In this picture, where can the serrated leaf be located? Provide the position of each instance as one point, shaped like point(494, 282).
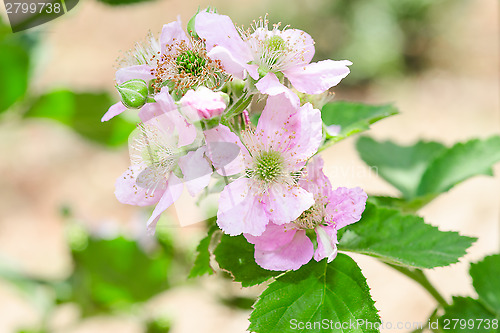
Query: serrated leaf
point(486, 280)
point(354, 117)
point(404, 240)
point(201, 264)
point(401, 166)
point(82, 112)
point(328, 294)
point(236, 255)
point(460, 162)
point(467, 315)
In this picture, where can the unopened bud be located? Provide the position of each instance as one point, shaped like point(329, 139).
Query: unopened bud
point(134, 93)
point(203, 103)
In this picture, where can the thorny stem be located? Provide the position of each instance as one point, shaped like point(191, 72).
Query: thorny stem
point(419, 276)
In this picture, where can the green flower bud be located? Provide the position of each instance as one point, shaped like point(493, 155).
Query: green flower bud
point(134, 93)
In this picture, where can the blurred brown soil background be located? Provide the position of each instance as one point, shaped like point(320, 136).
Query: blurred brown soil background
point(45, 166)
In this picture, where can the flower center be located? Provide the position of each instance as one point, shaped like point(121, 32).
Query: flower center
point(185, 65)
point(276, 44)
point(310, 218)
point(268, 166)
point(150, 147)
point(189, 62)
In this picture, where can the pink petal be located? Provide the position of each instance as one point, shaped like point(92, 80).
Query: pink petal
point(327, 243)
point(310, 134)
point(170, 33)
point(346, 206)
point(230, 64)
point(170, 122)
point(293, 255)
point(316, 181)
point(113, 111)
point(223, 150)
point(128, 192)
point(202, 103)
point(317, 77)
point(187, 132)
point(171, 194)
point(302, 42)
point(150, 111)
point(270, 85)
point(164, 103)
point(274, 237)
point(219, 30)
point(241, 210)
point(277, 125)
point(196, 170)
point(286, 203)
point(142, 72)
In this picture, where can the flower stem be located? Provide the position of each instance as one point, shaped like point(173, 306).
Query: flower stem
point(419, 276)
point(239, 105)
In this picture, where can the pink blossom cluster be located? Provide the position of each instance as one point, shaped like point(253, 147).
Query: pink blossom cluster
point(197, 95)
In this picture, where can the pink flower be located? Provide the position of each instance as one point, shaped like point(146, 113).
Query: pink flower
point(175, 60)
point(271, 159)
point(286, 246)
point(161, 164)
point(264, 54)
point(202, 103)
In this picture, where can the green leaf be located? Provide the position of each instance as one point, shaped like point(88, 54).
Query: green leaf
point(401, 166)
point(202, 262)
point(404, 240)
point(238, 302)
point(406, 207)
point(329, 294)
point(114, 274)
point(460, 162)
point(467, 315)
point(82, 112)
point(353, 117)
point(486, 280)
point(14, 69)
point(236, 255)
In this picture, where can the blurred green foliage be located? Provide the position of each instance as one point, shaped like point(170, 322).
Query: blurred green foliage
point(14, 67)
point(109, 276)
point(80, 111)
point(158, 325)
point(114, 274)
point(424, 170)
